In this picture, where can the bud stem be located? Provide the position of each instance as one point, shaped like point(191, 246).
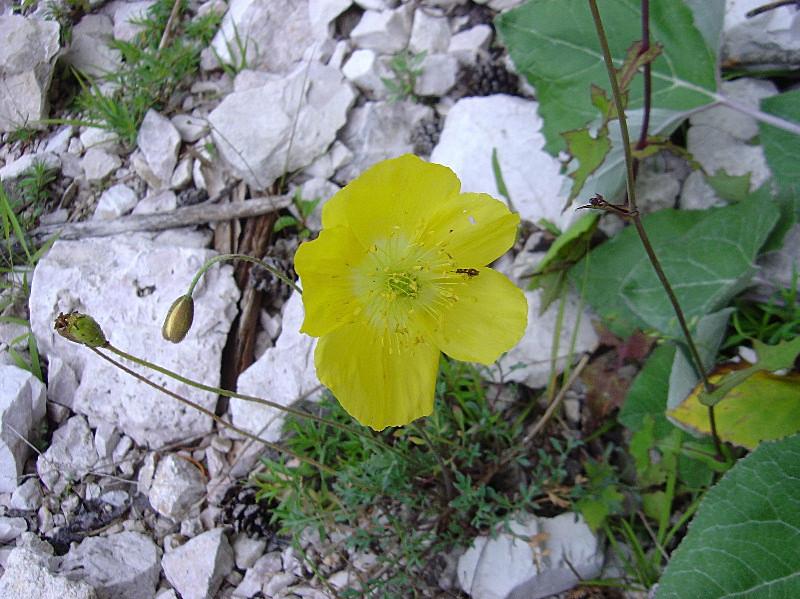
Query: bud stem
point(244, 258)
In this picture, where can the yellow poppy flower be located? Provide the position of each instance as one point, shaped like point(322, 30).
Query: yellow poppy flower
point(396, 276)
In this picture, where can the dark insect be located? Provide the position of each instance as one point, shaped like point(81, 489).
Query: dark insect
point(470, 272)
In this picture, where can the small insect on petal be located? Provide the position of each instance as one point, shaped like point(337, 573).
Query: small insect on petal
point(179, 319)
point(80, 328)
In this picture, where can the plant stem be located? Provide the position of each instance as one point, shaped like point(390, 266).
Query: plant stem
point(212, 415)
point(647, 75)
point(251, 398)
point(633, 213)
point(245, 258)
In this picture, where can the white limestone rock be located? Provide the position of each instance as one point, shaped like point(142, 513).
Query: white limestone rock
point(27, 58)
point(11, 528)
point(70, 456)
point(98, 164)
point(58, 142)
point(247, 550)
point(543, 557)
point(257, 576)
point(27, 575)
point(89, 51)
point(439, 72)
point(160, 201)
point(385, 31)
point(322, 12)
point(177, 485)
point(196, 569)
point(182, 176)
point(123, 565)
point(127, 283)
point(286, 370)
point(95, 137)
point(274, 34)
point(766, 40)
point(15, 169)
point(377, 131)
point(512, 126)
point(159, 142)
point(367, 72)
point(124, 13)
point(189, 127)
point(114, 202)
point(255, 141)
point(27, 496)
point(22, 408)
point(528, 362)
point(466, 45)
point(429, 33)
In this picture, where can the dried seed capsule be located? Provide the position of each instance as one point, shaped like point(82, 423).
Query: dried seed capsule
point(80, 328)
point(179, 319)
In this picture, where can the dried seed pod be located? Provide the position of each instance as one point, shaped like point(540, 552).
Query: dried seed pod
point(179, 319)
point(80, 328)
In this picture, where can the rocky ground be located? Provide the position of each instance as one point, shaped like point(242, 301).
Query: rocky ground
point(108, 488)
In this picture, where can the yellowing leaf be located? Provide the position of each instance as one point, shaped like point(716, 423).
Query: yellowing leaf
point(763, 407)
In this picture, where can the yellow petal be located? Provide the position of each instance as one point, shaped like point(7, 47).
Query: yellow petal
point(392, 197)
point(475, 228)
point(488, 318)
point(377, 388)
point(325, 266)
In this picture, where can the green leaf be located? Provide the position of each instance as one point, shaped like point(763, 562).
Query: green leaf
point(734, 188)
point(647, 396)
point(590, 152)
point(781, 148)
point(498, 178)
point(554, 44)
point(743, 542)
point(283, 222)
point(708, 258)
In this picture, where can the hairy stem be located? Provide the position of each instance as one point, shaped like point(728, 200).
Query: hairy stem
point(633, 213)
point(244, 258)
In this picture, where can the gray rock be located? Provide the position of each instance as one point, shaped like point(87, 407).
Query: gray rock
point(182, 176)
point(377, 131)
point(466, 45)
point(287, 370)
point(159, 201)
point(777, 267)
point(89, 51)
point(106, 437)
point(474, 126)
point(159, 142)
point(58, 142)
point(176, 486)
point(256, 577)
point(256, 146)
point(429, 33)
point(11, 528)
point(190, 128)
point(274, 36)
point(367, 72)
point(114, 202)
point(322, 12)
point(27, 575)
point(95, 137)
point(438, 75)
point(767, 40)
point(27, 496)
point(124, 13)
point(196, 569)
point(70, 456)
point(98, 164)
point(385, 31)
point(543, 557)
point(120, 566)
point(130, 306)
point(22, 408)
point(27, 57)
point(13, 170)
point(529, 361)
point(247, 550)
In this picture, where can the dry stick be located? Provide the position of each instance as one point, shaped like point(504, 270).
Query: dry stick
point(770, 6)
point(165, 37)
point(190, 215)
point(212, 415)
point(633, 214)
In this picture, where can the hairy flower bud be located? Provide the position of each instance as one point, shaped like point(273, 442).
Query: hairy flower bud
point(80, 328)
point(179, 319)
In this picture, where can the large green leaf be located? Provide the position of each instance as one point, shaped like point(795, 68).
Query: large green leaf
point(782, 148)
point(745, 540)
point(647, 396)
point(707, 256)
point(554, 44)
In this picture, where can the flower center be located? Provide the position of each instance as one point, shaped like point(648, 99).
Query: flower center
point(402, 284)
